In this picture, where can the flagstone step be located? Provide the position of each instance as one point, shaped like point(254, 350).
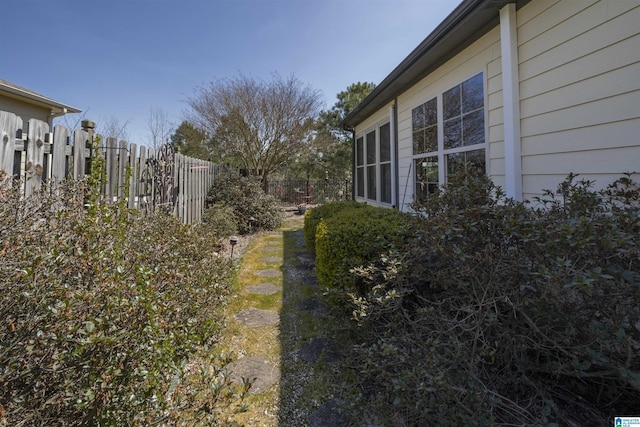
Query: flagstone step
point(255, 318)
point(269, 272)
point(256, 368)
point(264, 289)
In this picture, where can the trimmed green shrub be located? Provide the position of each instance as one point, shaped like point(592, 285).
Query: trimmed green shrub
point(102, 309)
point(248, 200)
point(220, 220)
point(499, 313)
point(355, 236)
point(313, 217)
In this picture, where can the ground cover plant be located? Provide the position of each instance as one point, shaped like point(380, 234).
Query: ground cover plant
point(241, 201)
point(103, 313)
point(501, 313)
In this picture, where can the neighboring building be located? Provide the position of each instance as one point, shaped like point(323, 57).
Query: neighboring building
point(15, 158)
point(27, 104)
point(528, 91)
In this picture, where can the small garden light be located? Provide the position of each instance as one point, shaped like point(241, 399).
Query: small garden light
point(251, 221)
point(234, 241)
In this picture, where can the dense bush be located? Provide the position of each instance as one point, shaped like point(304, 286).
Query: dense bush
point(247, 199)
point(501, 313)
point(313, 217)
point(101, 309)
point(351, 237)
point(220, 220)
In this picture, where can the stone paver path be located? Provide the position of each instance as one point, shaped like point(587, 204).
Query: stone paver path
point(264, 289)
point(254, 317)
point(271, 259)
point(269, 272)
point(258, 369)
point(280, 327)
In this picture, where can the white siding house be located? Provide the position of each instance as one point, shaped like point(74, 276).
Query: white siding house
point(526, 91)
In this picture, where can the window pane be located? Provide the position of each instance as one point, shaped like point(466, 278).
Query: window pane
point(426, 177)
point(385, 143)
point(455, 163)
point(431, 139)
point(451, 103)
point(473, 161)
point(418, 141)
point(371, 182)
point(385, 191)
point(418, 119)
point(425, 127)
point(473, 128)
point(371, 147)
point(452, 133)
point(431, 112)
point(359, 152)
point(360, 182)
point(472, 94)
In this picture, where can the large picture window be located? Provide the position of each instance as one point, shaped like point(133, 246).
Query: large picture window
point(373, 165)
point(444, 144)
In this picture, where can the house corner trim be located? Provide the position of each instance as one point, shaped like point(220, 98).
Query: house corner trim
point(511, 102)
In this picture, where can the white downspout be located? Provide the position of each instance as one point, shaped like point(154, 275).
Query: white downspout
point(511, 102)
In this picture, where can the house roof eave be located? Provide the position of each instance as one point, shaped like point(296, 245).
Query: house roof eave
point(14, 91)
point(467, 23)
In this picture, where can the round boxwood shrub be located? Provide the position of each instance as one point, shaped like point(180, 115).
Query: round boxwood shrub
point(317, 214)
point(248, 200)
point(354, 237)
point(220, 220)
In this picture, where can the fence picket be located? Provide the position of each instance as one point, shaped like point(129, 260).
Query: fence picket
point(59, 154)
point(80, 139)
point(34, 168)
point(133, 165)
point(8, 129)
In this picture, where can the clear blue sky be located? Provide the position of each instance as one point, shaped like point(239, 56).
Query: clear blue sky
point(123, 57)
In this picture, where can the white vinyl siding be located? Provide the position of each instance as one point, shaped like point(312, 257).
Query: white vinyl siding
point(580, 91)
point(579, 88)
point(24, 110)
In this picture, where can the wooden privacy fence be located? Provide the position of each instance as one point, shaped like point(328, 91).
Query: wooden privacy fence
point(161, 180)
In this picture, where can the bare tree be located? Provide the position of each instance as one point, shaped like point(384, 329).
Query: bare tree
point(259, 125)
point(159, 127)
point(113, 127)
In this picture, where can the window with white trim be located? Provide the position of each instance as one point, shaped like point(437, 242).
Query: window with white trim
point(448, 135)
point(385, 163)
point(360, 167)
point(373, 164)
